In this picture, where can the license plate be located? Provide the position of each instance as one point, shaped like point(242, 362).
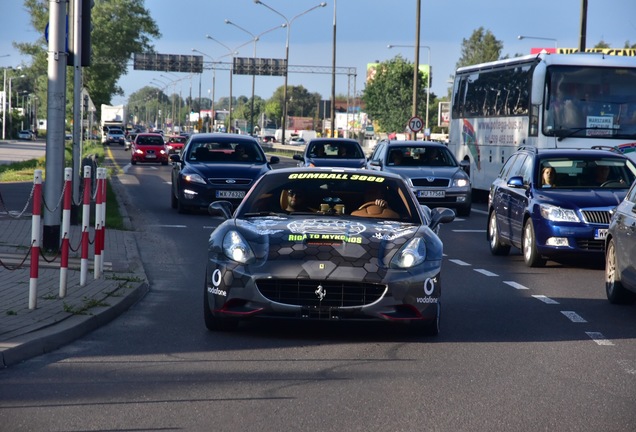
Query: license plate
point(600, 233)
point(431, 194)
point(230, 194)
point(150, 156)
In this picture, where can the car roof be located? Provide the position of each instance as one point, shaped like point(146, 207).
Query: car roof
point(328, 140)
point(568, 152)
point(412, 143)
point(219, 136)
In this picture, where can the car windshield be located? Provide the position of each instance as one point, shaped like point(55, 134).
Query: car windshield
point(568, 173)
point(116, 132)
point(420, 156)
point(149, 140)
point(226, 151)
point(335, 150)
point(330, 194)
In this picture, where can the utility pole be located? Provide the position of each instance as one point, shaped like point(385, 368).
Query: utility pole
point(582, 37)
point(56, 94)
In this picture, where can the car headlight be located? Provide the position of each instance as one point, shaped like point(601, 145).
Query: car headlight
point(236, 248)
point(193, 178)
point(558, 214)
point(460, 182)
point(411, 254)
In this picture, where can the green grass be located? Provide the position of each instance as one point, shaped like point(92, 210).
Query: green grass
point(24, 171)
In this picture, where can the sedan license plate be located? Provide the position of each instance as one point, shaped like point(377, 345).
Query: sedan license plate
point(431, 194)
point(600, 233)
point(230, 194)
point(150, 156)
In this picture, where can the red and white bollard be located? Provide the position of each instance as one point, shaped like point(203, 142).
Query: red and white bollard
point(66, 229)
point(86, 216)
point(35, 239)
point(99, 222)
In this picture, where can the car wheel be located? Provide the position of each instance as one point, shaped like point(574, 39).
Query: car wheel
point(616, 292)
point(531, 255)
point(214, 323)
point(496, 245)
point(174, 201)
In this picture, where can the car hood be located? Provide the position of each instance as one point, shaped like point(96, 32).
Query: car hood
point(581, 198)
point(341, 240)
point(229, 170)
point(340, 163)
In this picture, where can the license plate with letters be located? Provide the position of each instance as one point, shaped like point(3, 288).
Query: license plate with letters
point(230, 194)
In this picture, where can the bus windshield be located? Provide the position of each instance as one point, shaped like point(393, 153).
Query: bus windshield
point(590, 102)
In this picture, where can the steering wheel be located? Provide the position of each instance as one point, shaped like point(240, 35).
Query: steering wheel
point(365, 205)
point(610, 183)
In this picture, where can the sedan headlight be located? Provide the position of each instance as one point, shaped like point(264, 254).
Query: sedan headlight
point(193, 178)
point(411, 254)
point(236, 248)
point(461, 182)
point(558, 214)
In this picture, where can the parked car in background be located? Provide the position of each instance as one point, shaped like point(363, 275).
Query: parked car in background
point(216, 166)
point(435, 176)
point(148, 147)
point(115, 136)
point(26, 135)
point(175, 143)
point(555, 203)
point(298, 141)
point(620, 252)
point(332, 152)
point(277, 259)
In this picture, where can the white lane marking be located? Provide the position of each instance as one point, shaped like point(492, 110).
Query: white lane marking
point(486, 272)
point(469, 231)
point(515, 285)
point(574, 317)
point(459, 262)
point(479, 211)
point(545, 299)
point(599, 338)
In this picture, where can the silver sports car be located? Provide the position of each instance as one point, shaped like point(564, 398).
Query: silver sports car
point(326, 244)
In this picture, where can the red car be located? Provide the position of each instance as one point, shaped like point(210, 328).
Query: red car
point(175, 143)
point(149, 147)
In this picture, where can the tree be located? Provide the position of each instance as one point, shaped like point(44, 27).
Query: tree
point(389, 94)
point(119, 29)
point(481, 47)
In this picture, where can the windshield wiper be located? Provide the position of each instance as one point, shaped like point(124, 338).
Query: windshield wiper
point(569, 132)
point(263, 213)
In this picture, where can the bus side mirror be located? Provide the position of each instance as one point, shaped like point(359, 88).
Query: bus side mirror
point(538, 86)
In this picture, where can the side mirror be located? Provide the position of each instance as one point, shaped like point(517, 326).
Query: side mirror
point(274, 160)
point(516, 182)
point(298, 157)
point(465, 165)
point(175, 157)
point(220, 208)
point(441, 215)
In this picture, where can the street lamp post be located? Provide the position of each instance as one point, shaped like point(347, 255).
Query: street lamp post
point(255, 38)
point(521, 37)
point(288, 22)
point(9, 109)
point(428, 78)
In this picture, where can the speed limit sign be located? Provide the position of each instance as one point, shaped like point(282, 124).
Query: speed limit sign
point(416, 124)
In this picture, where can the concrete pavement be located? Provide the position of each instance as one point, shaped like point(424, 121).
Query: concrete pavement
point(56, 321)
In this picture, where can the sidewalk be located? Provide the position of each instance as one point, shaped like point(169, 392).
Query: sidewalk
point(56, 321)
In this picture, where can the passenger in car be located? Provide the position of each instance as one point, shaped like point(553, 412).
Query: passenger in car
point(396, 157)
point(294, 200)
point(548, 177)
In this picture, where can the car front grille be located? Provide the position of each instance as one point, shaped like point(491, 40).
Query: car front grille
point(434, 182)
point(222, 181)
point(601, 217)
point(305, 292)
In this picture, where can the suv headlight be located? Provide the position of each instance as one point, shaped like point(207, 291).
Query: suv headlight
point(411, 254)
point(236, 248)
point(461, 182)
point(558, 214)
point(193, 178)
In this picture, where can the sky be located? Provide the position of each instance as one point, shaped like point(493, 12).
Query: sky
point(363, 30)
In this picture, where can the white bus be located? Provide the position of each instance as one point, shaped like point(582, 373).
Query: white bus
point(543, 100)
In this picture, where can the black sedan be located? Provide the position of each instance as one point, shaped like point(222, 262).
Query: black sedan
point(332, 152)
point(620, 252)
point(345, 255)
point(214, 167)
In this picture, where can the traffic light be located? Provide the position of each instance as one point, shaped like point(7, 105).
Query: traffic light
point(85, 32)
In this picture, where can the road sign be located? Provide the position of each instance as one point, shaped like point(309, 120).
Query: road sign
point(415, 124)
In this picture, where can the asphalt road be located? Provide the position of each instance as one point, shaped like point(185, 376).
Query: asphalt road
point(519, 349)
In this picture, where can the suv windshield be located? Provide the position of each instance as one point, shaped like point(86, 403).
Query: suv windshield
point(567, 173)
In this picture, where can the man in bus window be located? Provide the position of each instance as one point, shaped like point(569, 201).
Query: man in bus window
point(566, 112)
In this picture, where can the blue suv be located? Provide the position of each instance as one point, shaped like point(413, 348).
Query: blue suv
point(551, 203)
